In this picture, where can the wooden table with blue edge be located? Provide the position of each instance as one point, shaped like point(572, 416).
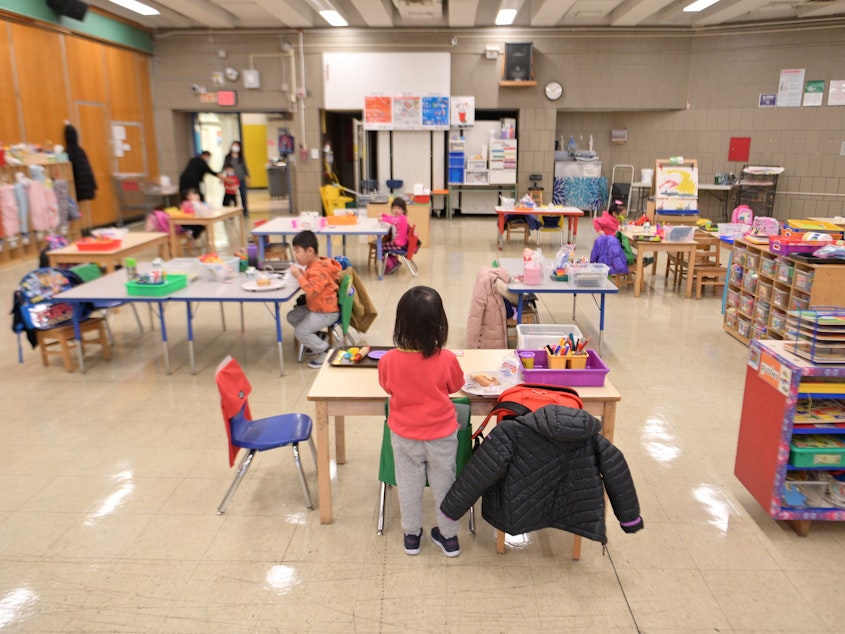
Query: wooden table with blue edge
point(514, 267)
point(571, 214)
point(112, 288)
point(289, 227)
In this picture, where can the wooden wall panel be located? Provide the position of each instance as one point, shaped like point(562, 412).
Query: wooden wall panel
point(142, 63)
point(86, 70)
point(10, 124)
point(93, 128)
point(40, 68)
point(124, 94)
point(132, 161)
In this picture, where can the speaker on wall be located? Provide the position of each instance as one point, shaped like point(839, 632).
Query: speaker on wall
point(519, 61)
point(75, 9)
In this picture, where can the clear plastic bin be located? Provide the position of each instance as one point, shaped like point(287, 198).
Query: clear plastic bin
point(536, 336)
point(732, 229)
point(586, 275)
point(678, 233)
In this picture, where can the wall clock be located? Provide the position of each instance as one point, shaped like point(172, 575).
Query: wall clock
point(232, 74)
point(554, 90)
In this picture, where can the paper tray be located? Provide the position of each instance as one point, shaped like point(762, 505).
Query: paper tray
point(337, 354)
point(591, 376)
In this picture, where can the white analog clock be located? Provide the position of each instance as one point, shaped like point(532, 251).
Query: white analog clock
point(232, 74)
point(554, 90)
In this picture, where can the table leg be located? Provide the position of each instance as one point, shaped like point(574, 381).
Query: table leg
point(278, 338)
point(329, 246)
point(340, 439)
point(77, 332)
point(608, 420)
point(191, 338)
point(638, 274)
point(690, 272)
point(519, 305)
point(500, 225)
point(448, 204)
point(173, 240)
point(379, 258)
point(243, 229)
point(324, 480)
point(261, 248)
point(601, 321)
point(164, 336)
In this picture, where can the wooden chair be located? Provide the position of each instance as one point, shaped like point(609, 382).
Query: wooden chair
point(708, 275)
point(623, 279)
point(518, 224)
point(61, 340)
point(706, 254)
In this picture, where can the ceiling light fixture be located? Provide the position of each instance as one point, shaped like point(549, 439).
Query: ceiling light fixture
point(334, 18)
point(505, 17)
point(699, 5)
point(137, 7)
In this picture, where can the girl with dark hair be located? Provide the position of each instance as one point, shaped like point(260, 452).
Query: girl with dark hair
point(419, 375)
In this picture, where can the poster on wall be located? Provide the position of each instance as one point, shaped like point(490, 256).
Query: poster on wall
point(813, 92)
point(435, 112)
point(462, 111)
point(836, 93)
point(407, 112)
point(378, 113)
point(768, 99)
point(790, 87)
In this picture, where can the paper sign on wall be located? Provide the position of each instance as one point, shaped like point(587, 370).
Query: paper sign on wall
point(790, 87)
point(836, 93)
point(813, 92)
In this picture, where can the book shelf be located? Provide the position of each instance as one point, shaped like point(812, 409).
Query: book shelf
point(789, 401)
point(763, 287)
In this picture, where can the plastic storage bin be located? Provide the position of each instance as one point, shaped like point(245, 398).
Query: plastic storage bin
point(817, 450)
point(780, 297)
point(751, 261)
point(531, 336)
point(777, 321)
point(172, 284)
point(732, 229)
point(678, 233)
point(733, 298)
point(785, 272)
point(731, 318)
point(586, 275)
point(803, 280)
point(768, 267)
point(591, 376)
point(764, 291)
point(746, 304)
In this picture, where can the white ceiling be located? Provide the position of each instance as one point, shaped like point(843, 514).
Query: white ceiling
point(279, 14)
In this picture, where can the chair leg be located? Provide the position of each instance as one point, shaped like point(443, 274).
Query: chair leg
point(109, 333)
point(302, 480)
point(472, 519)
point(242, 469)
point(137, 317)
point(313, 450)
point(381, 504)
point(500, 542)
point(411, 266)
point(301, 353)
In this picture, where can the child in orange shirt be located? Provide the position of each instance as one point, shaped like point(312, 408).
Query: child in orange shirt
point(317, 277)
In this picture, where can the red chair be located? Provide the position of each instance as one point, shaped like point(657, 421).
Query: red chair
point(408, 251)
point(256, 435)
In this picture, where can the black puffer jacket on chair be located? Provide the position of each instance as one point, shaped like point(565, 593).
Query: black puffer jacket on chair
point(546, 469)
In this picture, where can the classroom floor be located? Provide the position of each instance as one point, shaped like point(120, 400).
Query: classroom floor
point(111, 482)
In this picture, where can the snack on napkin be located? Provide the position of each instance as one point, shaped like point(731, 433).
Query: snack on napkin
point(484, 380)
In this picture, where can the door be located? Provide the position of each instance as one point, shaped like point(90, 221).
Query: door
point(94, 139)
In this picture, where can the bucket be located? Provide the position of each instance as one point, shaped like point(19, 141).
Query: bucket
point(646, 175)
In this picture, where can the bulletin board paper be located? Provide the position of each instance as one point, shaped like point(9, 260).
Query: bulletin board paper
point(378, 112)
point(791, 87)
point(407, 113)
point(836, 93)
point(813, 92)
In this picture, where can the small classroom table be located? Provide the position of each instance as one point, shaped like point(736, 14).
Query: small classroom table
point(722, 193)
point(643, 247)
point(571, 214)
point(214, 216)
point(289, 227)
point(111, 288)
point(350, 391)
point(131, 244)
point(514, 267)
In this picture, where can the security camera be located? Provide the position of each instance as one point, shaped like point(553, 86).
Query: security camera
point(197, 89)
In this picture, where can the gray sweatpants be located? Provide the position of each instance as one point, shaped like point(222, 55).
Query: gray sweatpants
point(414, 460)
point(306, 324)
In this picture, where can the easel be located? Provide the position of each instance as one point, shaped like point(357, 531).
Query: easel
point(675, 187)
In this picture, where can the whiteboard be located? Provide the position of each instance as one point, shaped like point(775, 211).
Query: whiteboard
point(349, 77)
point(412, 158)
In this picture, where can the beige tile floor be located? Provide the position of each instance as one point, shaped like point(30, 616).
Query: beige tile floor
point(111, 481)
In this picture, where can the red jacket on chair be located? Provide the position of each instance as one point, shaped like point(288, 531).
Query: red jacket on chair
point(234, 391)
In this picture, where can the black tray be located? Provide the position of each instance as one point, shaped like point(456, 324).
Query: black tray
point(366, 362)
point(809, 259)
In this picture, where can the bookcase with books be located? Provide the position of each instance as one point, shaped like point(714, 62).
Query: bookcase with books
point(791, 444)
point(762, 287)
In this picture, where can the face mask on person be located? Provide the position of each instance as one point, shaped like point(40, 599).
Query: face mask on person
point(236, 148)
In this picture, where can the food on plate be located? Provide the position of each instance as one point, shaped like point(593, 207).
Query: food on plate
point(484, 380)
point(263, 280)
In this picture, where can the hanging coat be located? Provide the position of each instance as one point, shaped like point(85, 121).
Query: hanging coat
point(43, 211)
point(22, 198)
point(487, 320)
point(83, 174)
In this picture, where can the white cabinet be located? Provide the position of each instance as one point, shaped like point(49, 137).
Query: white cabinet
point(502, 161)
point(585, 169)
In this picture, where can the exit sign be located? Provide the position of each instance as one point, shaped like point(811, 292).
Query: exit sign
point(227, 98)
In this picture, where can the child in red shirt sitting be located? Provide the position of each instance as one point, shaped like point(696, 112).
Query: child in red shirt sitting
point(419, 375)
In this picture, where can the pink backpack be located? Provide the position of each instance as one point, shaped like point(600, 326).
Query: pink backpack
point(158, 220)
point(742, 215)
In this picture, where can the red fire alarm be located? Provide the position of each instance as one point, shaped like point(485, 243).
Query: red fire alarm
point(739, 149)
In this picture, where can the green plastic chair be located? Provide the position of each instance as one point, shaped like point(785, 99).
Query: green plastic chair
point(88, 272)
point(344, 300)
point(386, 469)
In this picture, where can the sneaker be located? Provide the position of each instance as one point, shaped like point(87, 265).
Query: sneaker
point(412, 543)
point(317, 362)
point(450, 547)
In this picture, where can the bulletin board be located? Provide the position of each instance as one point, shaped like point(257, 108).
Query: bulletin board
point(348, 78)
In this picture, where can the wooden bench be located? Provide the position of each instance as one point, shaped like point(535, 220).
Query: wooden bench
point(60, 341)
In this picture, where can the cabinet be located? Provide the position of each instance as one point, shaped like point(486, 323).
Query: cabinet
point(787, 398)
point(762, 287)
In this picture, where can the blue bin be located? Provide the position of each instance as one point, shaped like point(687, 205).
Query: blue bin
point(456, 174)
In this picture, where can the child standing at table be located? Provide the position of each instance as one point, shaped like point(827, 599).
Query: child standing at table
point(231, 185)
point(419, 375)
point(317, 277)
point(398, 239)
point(192, 205)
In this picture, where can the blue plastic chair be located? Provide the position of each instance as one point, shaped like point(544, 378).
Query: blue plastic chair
point(257, 435)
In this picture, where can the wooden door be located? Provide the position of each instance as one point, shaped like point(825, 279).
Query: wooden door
point(94, 139)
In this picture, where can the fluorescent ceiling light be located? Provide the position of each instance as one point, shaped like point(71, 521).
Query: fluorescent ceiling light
point(334, 18)
point(699, 5)
point(137, 7)
point(505, 17)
